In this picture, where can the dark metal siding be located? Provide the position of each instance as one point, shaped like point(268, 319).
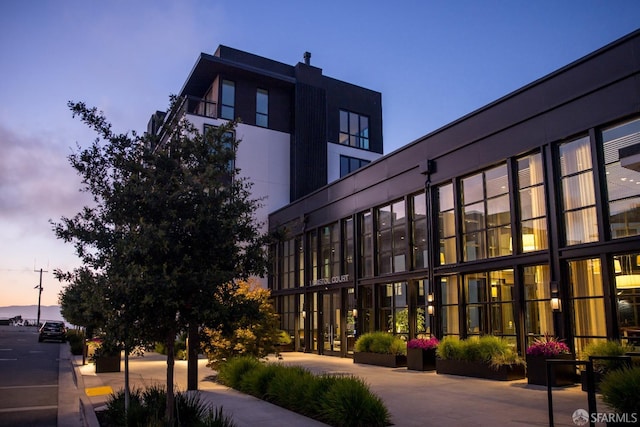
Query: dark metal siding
point(309, 144)
point(591, 92)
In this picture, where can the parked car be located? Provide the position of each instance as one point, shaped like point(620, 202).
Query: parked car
point(53, 331)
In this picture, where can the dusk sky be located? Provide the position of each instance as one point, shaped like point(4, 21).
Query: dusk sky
point(433, 62)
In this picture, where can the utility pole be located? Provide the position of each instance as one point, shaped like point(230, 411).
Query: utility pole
point(39, 295)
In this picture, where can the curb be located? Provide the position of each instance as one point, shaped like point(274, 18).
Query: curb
point(74, 406)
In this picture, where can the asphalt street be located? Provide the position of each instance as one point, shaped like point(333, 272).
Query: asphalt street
point(28, 378)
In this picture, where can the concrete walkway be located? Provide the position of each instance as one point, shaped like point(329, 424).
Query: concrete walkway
point(413, 398)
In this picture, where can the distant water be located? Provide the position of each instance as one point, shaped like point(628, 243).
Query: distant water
point(30, 312)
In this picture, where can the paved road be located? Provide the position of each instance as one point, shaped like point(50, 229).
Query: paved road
point(28, 378)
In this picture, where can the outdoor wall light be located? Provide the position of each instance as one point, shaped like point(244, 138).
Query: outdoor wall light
point(556, 304)
point(430, 298)
point(354, 312)
point(430, 310)
point(304, 314)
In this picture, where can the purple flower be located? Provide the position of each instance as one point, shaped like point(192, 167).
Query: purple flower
point(423, 343)
point(547, 346)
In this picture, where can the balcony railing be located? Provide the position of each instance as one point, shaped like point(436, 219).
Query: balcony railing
point(200, 107)
point(189, 105)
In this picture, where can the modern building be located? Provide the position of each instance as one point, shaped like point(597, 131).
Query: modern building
point(299, 128)
point(519, 219)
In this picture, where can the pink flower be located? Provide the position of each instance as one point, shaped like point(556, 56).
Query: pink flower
point(423, 343)
point(547, 346)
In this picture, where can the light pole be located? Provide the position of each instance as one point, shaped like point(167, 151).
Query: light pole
point(39, 296)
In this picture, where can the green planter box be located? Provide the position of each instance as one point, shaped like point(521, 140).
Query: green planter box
point(421, 360)
point(561, 375)
point(108, 364)
point(480, 370)
point(380, 359)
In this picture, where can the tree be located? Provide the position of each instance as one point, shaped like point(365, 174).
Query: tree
point(172, 226)
point(82, 301)
point(255, 330)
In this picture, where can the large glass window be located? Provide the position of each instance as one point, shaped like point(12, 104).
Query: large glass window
point(287, 313)
point(490, 304)
point(587, 301)
point(486, 214)
point(227, 143)
point(354, 129)
point(419, 230)
point(349, 164)
point(262, 108)
point(578, 192)
point(627, 280)
point(228, 100)
point(537, 294)
point(330, 251)
point(347, 247)
point(623, 184)
point(366, 244)
point(289, 252)
point(392, 242)
point(422, 324)
point(393, 308)
point(312, 238)
point(449, 302)
point(533, 225)
point(446, 224)
point(367, 318)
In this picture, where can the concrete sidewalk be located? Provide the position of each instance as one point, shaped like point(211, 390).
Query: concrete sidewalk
point(413, 398)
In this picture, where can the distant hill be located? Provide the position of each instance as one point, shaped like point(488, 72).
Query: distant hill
point(30, 312)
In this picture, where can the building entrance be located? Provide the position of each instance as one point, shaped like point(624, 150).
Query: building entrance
point(331, 319)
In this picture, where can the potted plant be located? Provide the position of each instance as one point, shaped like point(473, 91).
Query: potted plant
point(487, 357)
point(107, 357)
point(421, 354)
point(380, 348)
point(621, 391)
point(548, 347)
point(602, 367)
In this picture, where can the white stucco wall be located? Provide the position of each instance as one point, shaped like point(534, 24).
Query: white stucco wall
point(334, 151)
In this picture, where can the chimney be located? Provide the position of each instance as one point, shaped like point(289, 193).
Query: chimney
point(307, 58)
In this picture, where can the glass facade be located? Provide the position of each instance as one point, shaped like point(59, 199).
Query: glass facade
point(627, 280)
point(392, 241)
point(354, 129)
point(541, 242)
point(419, 231)
point(228, 98)
point(533, 211)
point(578, 192)
point(486, 214)
point(623, 184)
point(446, 224)
point(262, 108)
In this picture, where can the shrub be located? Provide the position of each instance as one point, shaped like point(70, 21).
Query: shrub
point(380, 342)
point(288, 387)
point(450, 348)
point(231, 372)
point(621, 390)
point(349, 402)
point(314, 393)
point(339, 401)
point(76, 341)
point(606, 348)
point(147, 407)
point(256, 381)
point(488, 349)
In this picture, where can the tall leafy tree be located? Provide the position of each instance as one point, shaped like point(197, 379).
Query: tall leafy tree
point(171, 228)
